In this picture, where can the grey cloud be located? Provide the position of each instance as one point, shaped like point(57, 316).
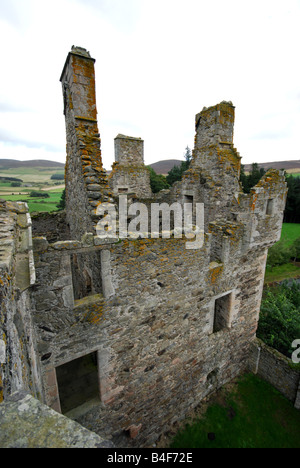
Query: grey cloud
point(7, 107)
point(5, 137)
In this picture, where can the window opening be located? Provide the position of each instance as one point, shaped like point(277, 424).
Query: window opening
point(86, 274)
point(222, 313)
point(270, 207)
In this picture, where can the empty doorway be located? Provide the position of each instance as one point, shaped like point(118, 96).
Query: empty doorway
point(78, 382)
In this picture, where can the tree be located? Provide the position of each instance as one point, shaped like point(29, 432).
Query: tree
point(279, 322)
point(158, 182)
point(292, 209)
point(36, 194)
point(279, 254)
point(250, 180)
point(295, 249)
point(58, 177)
point(62, 203)
point(176, 173)
point(188, 156)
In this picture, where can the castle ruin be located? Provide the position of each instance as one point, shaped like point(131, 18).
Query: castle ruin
point(126, 336)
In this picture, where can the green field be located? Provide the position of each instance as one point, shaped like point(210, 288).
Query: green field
point(37, 204)
point(248, 414)
point(282, 272)
point(34, 175)
point(290, 232)
point(34, 179)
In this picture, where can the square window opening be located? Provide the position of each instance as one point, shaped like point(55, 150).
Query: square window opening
point(86, 274)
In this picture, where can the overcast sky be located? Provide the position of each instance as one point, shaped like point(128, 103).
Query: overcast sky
point(158, 63)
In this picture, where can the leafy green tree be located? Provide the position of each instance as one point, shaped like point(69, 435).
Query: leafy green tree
point(279, 323)
point(295, 249)
point(37, 194)
point(279, 254)
point(62, 203)
point(158, 182)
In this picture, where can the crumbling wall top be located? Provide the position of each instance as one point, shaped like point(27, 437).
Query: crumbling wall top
point(79, 51)
point(214, 125)
point(129, 150)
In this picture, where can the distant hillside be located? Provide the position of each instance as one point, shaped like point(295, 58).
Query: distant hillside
point(163, 167)
point(13, 163)
point(290, 166)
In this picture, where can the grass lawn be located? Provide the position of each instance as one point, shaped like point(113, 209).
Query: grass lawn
point(282, 272)
point(247, 414)
point(290, 232)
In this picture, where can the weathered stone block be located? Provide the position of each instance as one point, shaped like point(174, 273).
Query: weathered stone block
point(94, 187)
point(40, 244)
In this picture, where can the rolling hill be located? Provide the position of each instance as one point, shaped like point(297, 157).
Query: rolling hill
point(13, 163)
point(164, 166)
point(289, 166)
point(160, 167)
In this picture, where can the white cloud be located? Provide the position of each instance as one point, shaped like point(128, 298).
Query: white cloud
point(158, 63)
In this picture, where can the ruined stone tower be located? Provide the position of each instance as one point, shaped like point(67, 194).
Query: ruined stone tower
point(85, 177)
point(129, 173)
point(146, 325)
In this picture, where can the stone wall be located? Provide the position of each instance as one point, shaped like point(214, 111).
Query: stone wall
point(19, 366)
point(277, 369)
point(51, 225)
point(26, 423)
point(152, 327)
